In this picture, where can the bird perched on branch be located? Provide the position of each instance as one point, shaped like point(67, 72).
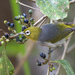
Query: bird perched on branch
point(52, 33)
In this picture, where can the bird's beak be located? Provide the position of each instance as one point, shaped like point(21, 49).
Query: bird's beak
point(22, 33)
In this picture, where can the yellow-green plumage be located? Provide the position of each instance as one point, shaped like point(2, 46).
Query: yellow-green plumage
point(50, 32)
point(34, 33)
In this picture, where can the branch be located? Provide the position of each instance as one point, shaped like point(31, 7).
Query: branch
point(21, 33)
point(49, 56)
point(64, 53)
point(70, 49)
point(2, 31)
point(29, 49)
point(40, 20)
point(32, 1)
point(71, 2)
point(28, 6)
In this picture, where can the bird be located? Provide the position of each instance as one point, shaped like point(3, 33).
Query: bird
point(50, 33)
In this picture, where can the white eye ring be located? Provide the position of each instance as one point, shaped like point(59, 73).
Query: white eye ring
point(27, 32)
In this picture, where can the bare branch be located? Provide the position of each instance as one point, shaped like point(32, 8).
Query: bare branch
point(28, 6)
point(49, 56)
point(39, 21)
point(28, 51)
point(70, 49)
point(32, 1)
point(21, 33)
point(64, 53)
point(71, 2)
point(2, 31)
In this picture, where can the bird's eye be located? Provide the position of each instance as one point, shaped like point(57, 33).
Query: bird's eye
point(27, 32)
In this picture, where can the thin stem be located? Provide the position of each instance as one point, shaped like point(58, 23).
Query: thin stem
point(32, 1)
point(2, 31)
point(49, 56)
point(71, 2)
point(28, 6)
point(64, 53)
point(29, 49)
point(39, 21)
point(70, 49)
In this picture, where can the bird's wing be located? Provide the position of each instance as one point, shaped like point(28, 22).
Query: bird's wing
point(53, 34)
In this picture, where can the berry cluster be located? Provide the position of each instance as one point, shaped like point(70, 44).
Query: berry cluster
point(42, 55)
point(10, 26)
point(4, 38)
point(24, 22)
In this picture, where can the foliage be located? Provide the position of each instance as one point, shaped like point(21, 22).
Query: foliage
point(6, 67)
point(66, 66)
point(54, 9)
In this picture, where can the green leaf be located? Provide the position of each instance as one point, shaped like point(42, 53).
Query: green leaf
point(6, 67)
point(54, 9)
point(66, 66)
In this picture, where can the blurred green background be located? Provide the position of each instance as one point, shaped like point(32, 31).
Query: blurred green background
point(8, 10)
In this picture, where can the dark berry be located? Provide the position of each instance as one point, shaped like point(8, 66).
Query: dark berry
point(26, 21)
point(31, 19)
point(23, 37)
point(42, 55)
point(30, 11)
point(39, 63)
point(12, 25)
point(24, 15)
point(17, 38)
point(23, 28)
point(16, 18)
point(8, 23)
point(6, 35)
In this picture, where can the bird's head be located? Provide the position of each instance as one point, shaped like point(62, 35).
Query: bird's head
point(32, 33)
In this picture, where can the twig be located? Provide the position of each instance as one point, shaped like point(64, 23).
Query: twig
point(39, 21)
point(29, 49)
point(45, 21)
point(71, 2)
point(32, 1)
point(70, 49)
point(2, 31)
point(49, 56)
point(64, 53)
point(28, 6)
point(21, 33)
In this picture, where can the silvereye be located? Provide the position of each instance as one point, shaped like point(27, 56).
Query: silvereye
point(50, 32)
